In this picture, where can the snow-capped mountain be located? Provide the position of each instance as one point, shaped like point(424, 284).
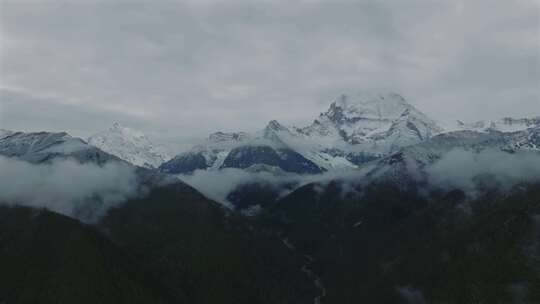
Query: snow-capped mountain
point(242, 151)
point(209, 154)
point(39, 147)
point(131, 146)
point(378, 122)
point(47, 147)
point(407, 166)
point(528, 139)
point(284, 158)
point(356, 129)
point(506, 124)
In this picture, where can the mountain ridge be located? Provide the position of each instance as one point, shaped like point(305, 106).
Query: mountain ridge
point(130, 145)
point(356, 128)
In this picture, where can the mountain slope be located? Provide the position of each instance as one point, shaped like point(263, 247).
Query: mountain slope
point(39, 147)
point(408, 165)
point(381, 122)
point(188, 247)
point(355, 129)
point(209, 154)
point(129, 145)
point(358, 128)
point(391, 246)
point(506, 124)
point(49, 258)
point(391, 235)
point(216, 256)
point(283, 158)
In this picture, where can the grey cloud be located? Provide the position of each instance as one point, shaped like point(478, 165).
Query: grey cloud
point(461, 169)
point(467, 170)
point(200, 67)
point(84, 191)
point(217, 185)
point(23, 112)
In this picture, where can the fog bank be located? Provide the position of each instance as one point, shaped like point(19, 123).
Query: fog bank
point(84, 191)
point(469, 171)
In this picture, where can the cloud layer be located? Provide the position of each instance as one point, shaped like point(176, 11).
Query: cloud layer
point(84, 191)
point(469, 171)
point(170, 65)
point(217, 185)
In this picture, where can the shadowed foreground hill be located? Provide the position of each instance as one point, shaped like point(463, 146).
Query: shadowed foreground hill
point(390, 246)
point(49, 258)
point(193, 244)
point(173, 246)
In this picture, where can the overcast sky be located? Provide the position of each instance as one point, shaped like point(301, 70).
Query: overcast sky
point(181, 69)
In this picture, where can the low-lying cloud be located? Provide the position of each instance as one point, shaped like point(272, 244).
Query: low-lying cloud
point(84, 191)
point(468, 170)
point(217, 185)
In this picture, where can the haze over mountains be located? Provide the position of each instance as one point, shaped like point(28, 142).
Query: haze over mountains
point(361, 134)
point(130, 145)
point(292, 211)
point(356, 129)
point(270, 152)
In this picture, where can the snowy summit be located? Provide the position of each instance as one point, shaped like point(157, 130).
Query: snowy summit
point(130, 145)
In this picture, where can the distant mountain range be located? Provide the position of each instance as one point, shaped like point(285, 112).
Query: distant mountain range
point(39, 147)
point(356, 129)
point(343, 210)
point(358, 132)
point(168, 244)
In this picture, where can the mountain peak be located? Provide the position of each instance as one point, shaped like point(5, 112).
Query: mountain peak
point(275, 126)
point(39, 147)
point(381, 121)
point(129, 145)
point(273, 129)
point(368, 106)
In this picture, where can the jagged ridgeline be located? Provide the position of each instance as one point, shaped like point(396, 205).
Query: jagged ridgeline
point(357, 128)
point(166, 244)
point(374, 202)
